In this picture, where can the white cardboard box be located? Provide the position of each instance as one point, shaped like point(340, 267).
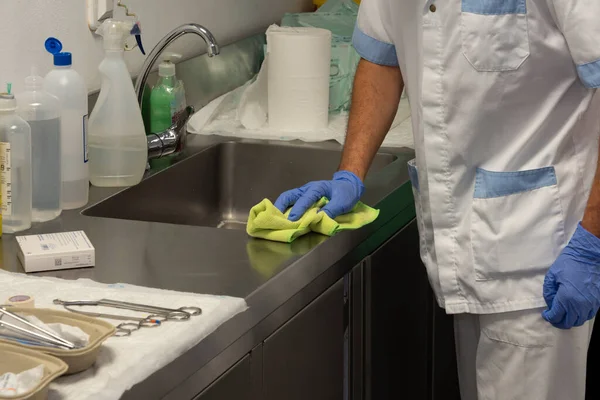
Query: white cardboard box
point(54, 251)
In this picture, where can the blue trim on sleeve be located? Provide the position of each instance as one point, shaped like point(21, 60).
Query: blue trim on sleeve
point(490, 184)
point(494, 7)
point(413, 174)
point(374, 50)
point(590, 74)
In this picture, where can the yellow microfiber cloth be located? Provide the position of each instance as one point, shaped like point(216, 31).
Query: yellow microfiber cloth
point(267, 222)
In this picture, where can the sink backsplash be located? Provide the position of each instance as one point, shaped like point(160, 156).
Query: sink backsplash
point(206, 78)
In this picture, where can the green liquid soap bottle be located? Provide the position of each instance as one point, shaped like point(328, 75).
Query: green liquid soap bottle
point(167, 102)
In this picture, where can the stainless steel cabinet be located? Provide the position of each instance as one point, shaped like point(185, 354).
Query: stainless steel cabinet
point(377, 334)
point(304, 358)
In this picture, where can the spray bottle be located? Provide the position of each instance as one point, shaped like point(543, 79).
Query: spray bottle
point(117, 138)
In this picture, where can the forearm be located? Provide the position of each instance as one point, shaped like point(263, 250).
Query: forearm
point(375, 99)
point(591, 217)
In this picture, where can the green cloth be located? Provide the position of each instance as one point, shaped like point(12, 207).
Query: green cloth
point(267, 222)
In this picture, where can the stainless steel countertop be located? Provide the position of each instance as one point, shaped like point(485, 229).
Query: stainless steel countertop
point(213, 261)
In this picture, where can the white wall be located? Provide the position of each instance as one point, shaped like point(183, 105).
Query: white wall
point(27, 23)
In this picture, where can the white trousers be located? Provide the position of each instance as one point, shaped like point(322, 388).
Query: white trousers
point(519, 356)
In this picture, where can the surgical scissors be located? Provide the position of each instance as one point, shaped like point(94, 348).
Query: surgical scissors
point(157, 313)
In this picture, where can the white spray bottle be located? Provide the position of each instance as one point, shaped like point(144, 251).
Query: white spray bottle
point(117, 138)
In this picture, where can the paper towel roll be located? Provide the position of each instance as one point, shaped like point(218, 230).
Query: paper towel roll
point(298, 78)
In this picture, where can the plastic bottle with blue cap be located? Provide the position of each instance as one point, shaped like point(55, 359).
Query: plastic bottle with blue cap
point(69, 87)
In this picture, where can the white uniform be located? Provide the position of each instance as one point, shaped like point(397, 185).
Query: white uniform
point(506, 137)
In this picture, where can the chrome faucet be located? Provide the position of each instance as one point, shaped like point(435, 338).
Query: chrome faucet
point(174, 138)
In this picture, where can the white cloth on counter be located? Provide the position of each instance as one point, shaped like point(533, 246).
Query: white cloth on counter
point(15, 385)
point(124, 361)
point(224, 115)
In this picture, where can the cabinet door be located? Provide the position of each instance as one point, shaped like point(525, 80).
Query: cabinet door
point(443, 369)
point(236, 384)
point(304, 359)
point(408, 340)
point(593, 369)
point(397, 320)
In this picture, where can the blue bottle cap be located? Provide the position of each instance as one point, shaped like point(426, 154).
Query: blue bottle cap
point(63, 59)
point(54, 46)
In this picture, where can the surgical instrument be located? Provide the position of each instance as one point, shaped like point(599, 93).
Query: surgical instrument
point(125, 328)
point(150, 321)
point(157, 313)
point(30, 341)
point(36, 332)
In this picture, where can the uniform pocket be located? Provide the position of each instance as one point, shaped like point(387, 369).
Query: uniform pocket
point(524, 328)
point(514, 354)
point(517, 226)
point(494, 34)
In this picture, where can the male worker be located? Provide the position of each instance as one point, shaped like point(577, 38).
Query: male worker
point(506, 137)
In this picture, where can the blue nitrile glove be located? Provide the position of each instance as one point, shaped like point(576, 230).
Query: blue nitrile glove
point(343, 193)
point(572, 285)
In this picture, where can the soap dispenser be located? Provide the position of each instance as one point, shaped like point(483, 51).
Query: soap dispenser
point(167, 100)
point(166, 104)
point(117, 138)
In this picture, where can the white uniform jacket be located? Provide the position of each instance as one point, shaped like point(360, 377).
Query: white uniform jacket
point(506, 130)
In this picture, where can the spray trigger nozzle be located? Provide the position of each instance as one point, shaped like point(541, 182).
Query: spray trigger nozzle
point(137, 32)
point(116, 33)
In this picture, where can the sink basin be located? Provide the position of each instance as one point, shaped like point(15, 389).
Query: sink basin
point(218, 186)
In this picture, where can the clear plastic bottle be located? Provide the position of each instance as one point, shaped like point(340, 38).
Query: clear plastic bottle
point(69, 87)
point(117, 137)
point(41, 110)
point(15, 167)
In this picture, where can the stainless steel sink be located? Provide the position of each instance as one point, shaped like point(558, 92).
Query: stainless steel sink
point(218, 186)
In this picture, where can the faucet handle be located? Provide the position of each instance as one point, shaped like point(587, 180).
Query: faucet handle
point(173, 139)
point(183, 118)
point(180, 127)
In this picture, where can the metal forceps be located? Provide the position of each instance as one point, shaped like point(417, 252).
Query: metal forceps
point(125, 328)
point(156, 317)
point(157, 313)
